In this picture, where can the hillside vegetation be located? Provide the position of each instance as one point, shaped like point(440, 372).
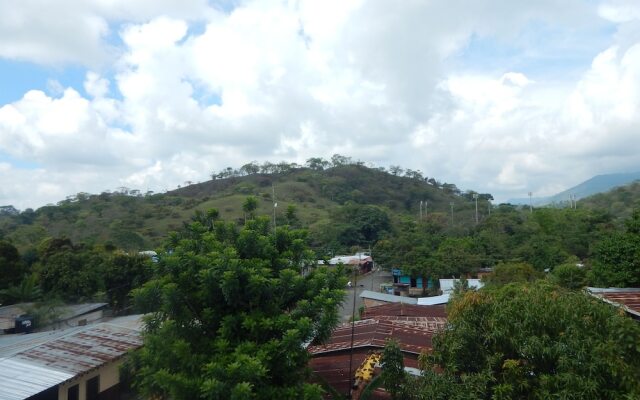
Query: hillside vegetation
point(324, 198)
point(619, 202)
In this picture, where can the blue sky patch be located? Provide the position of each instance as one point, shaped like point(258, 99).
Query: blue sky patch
point(540, 51)
point(17, 163)
point(18, 77)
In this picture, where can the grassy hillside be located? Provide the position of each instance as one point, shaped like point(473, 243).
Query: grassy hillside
point(321, 198)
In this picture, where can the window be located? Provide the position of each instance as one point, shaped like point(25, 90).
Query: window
point(414, 282)
point(73, 393)
point(93, 388)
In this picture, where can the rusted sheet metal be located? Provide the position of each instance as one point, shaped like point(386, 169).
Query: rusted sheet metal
point(627, 298)
point(412, 326)
point(334, 369)
point(69, 353)
point(375, 333)
point(405, 310)
point(83, 350)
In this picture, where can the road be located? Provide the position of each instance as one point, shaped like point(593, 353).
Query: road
point(370, 281)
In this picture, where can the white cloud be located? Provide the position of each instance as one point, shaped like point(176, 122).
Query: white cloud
point(76, 31)
point(620, 10)
point(292, 80)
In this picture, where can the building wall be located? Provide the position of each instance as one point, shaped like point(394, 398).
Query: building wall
point(109, 376)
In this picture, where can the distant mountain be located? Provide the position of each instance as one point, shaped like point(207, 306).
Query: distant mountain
point(595, 185)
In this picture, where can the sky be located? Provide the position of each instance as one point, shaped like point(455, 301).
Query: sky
point(498, 96)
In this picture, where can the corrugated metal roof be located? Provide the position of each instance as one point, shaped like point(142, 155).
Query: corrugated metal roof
point(433, 300)
point(403, 309)
point(389, 298)
point(374, 333)
point(412, 326)
point(334, 368)
point(626, 298)
point(46, 361)
point(13, 344)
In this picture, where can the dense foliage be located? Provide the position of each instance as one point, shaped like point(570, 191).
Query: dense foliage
point(534, 341)
point(231, 313)
point(327, 195)
point(617, 257)
point(393, 374)
point(61, 270)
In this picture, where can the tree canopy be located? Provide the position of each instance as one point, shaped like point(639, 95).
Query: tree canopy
point(617, 257)
point(534, 341)
point(231, 313)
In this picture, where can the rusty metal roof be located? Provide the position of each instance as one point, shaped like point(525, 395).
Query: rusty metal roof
point(403, 309)
point(67, 354)
point(334, 368)
point(626, 298)
point(412, 326)
point(372, 333)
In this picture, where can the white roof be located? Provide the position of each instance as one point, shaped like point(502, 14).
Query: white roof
point(446, 285)
point(389, 298)
point(433, 300)
point(346, 260)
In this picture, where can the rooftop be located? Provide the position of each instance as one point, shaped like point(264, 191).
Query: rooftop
point(404, 310)
point(31, 363)
point(373, 333)
point(8, 314)
point(358, 258)
point(626, 298)
point(389, 298)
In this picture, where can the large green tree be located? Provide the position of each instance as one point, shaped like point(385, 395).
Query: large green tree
point(122, 272)
point(70, 272)
point(535, 341)
point(617, 257)
point(393, 374)
point(231, 313)
point(12, 269)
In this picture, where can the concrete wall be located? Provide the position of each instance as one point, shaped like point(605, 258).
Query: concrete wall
point(109, 376)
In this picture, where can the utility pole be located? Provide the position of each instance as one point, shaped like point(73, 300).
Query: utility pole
point(426, 204)
point(530, 203)
point(275, 204)
point(475, 197)
point(451, 204)
point(353, 322)
point(420, 210)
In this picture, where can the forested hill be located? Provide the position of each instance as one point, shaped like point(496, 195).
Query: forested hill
point(619, 202)
point(342, 204)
